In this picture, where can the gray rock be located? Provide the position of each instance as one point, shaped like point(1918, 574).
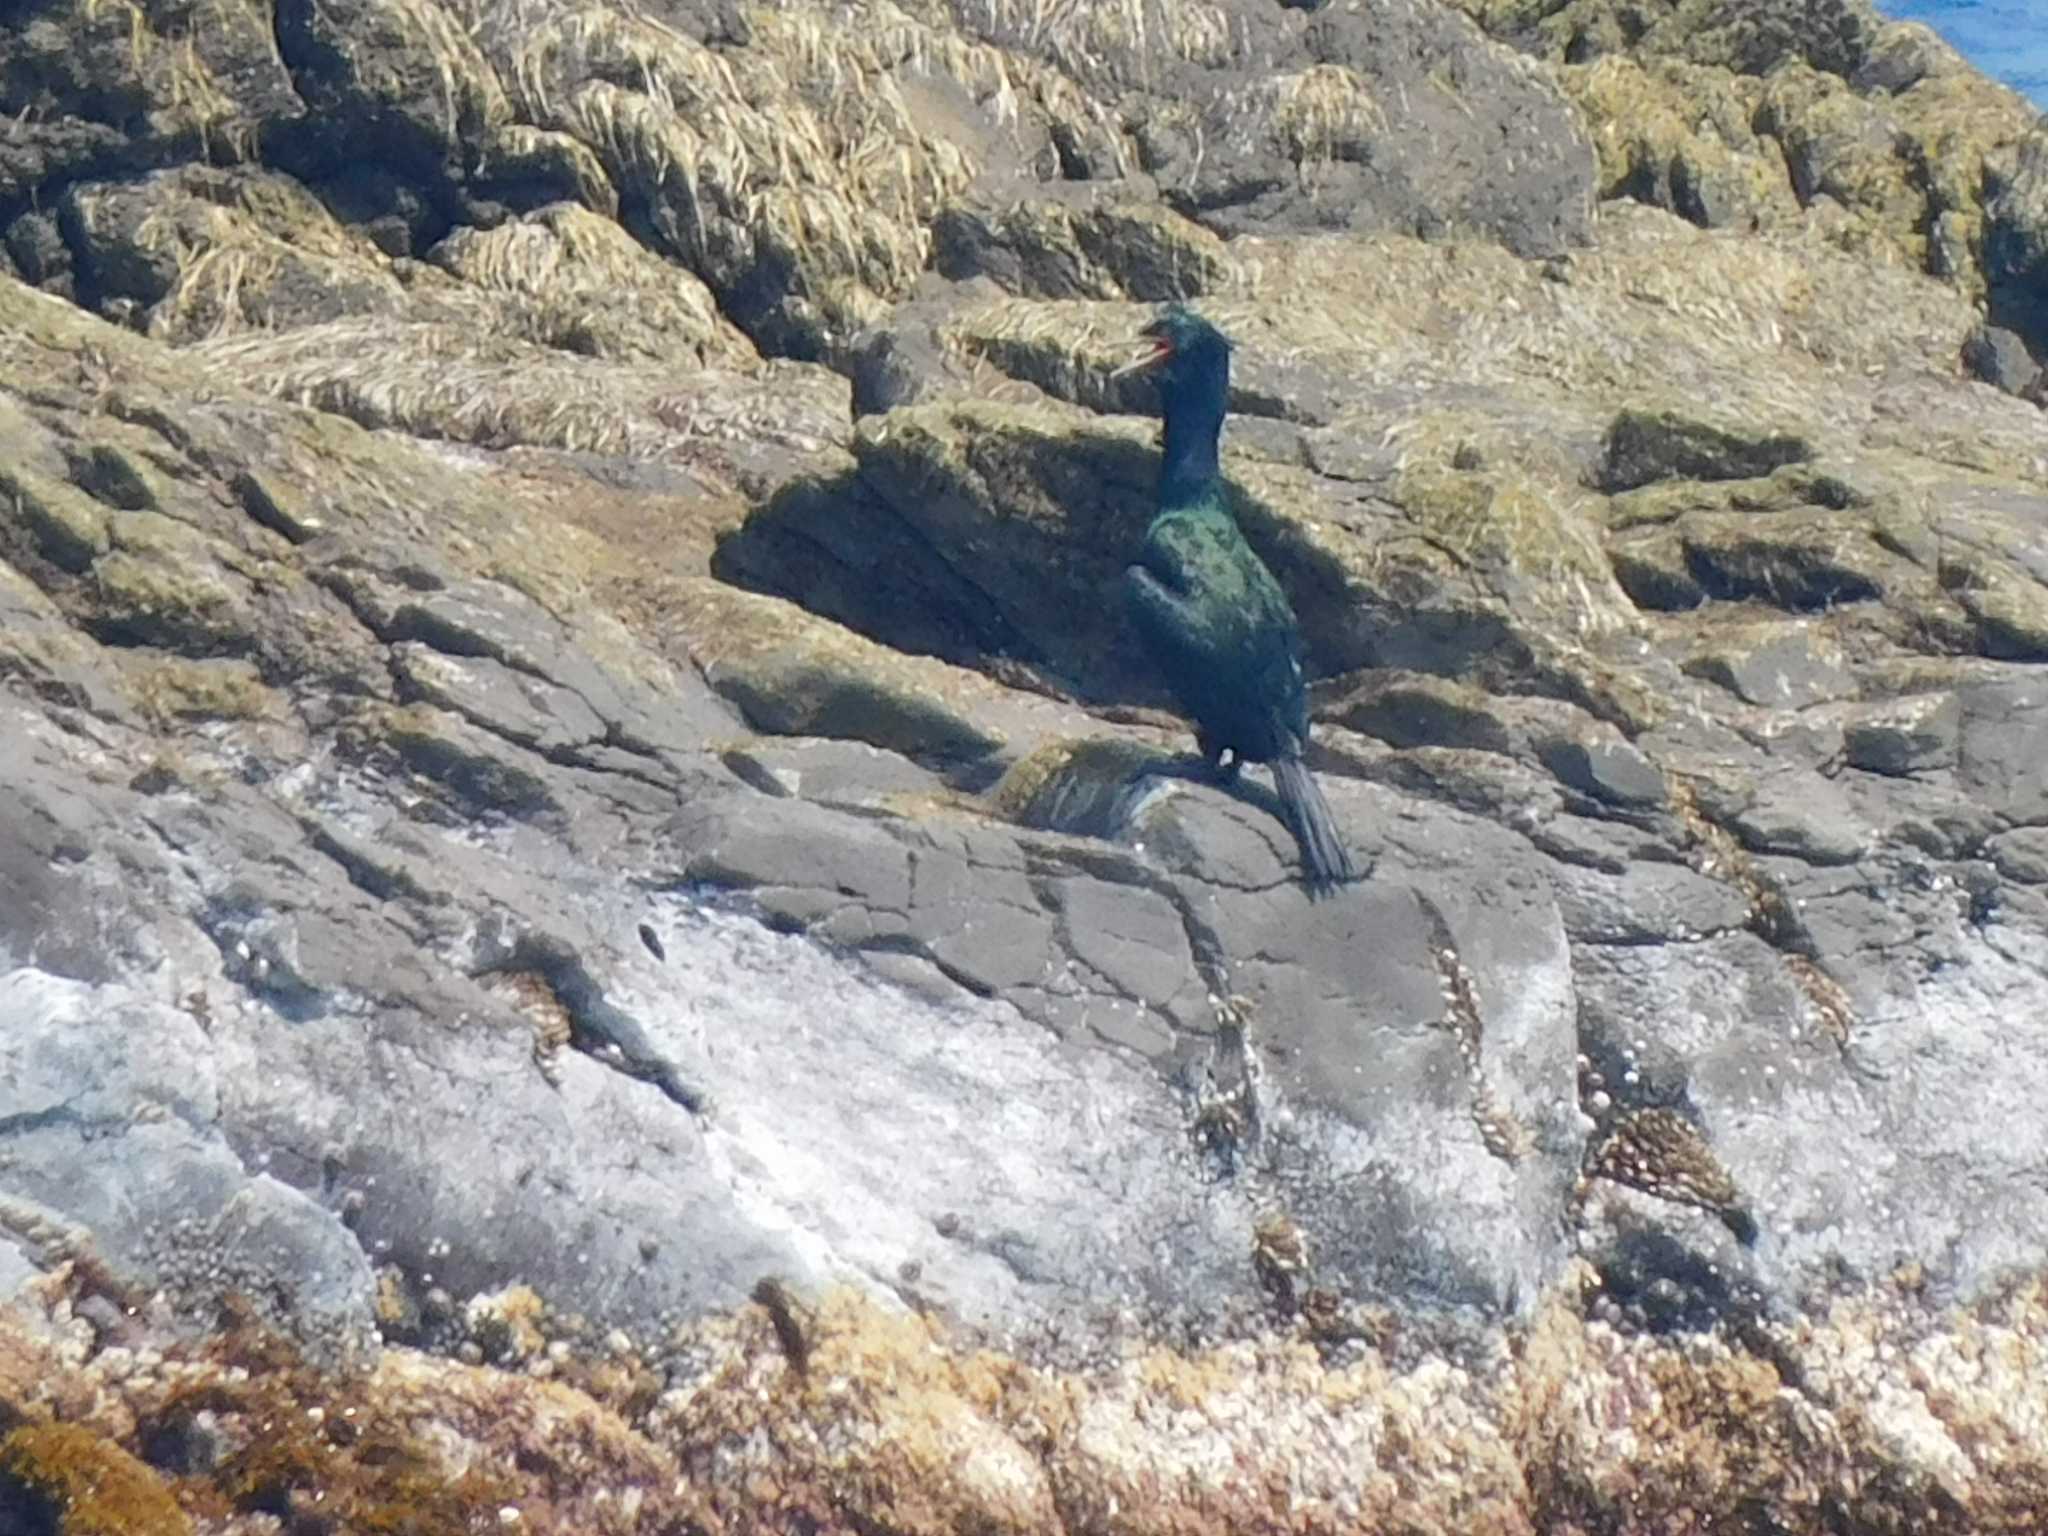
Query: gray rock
point(133, 241)
point(532, 668)
point(107, 109)
point(1378, 1085)
point(2003, 743)
point(2000, 358)
point(489, 694)
point(17, 1269)
point(1805, 818)
point(1117, 964)
point(1785, 669)
point(1649, 904)
point(801, 848)
point(112, 1114)
point(978, 914)
point(1516, 169)
point(2021, 854)
point(845, 773)
point(1410, 710)
point(1915, 735)
point(1604, 767)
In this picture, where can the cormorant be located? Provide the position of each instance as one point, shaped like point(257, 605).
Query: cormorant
point(1211, 614)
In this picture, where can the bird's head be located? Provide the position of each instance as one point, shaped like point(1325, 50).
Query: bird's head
point(1190, 358)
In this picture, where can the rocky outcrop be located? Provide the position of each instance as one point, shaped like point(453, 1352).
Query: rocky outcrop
point(1814, 114)
point(589, 859)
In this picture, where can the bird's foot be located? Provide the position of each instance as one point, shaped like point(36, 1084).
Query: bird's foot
point(1223, 772)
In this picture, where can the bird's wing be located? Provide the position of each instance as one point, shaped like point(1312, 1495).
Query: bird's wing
point(1163, 617)
point(1168, 554)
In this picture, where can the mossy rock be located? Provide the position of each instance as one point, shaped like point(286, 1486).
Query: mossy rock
point(163, 584)
point(792, 673)
point(797, 695)
point(1647, 446)
point(1678, 136)
point(1509, 515)
point(1086, 787)
point(480, 771)
point(221, 688)
point(2008, 608)
point(67, 527)
point(119, 477)
point(1413, 709)
point(1797, 564)
point(1750, 38)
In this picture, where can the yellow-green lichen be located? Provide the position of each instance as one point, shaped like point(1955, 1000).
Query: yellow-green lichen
point(68, 527)
point(91, 1486)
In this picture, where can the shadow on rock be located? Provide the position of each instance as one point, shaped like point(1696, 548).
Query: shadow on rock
point(985, 535)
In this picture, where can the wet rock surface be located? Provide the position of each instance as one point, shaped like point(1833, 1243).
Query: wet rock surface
point(585, 834)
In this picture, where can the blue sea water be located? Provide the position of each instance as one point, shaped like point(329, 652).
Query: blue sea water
point(2007, 39)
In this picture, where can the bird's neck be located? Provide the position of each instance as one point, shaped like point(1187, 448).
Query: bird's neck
point(1187, 468)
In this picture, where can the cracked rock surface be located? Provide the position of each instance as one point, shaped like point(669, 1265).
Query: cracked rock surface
point(574, 771)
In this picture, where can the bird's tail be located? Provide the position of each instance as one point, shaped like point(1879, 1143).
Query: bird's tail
point(1323, 857)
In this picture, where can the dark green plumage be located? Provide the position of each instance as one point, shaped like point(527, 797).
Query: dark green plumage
point(1210, 612)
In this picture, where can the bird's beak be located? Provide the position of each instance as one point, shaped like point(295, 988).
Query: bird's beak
point(1161, 351)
